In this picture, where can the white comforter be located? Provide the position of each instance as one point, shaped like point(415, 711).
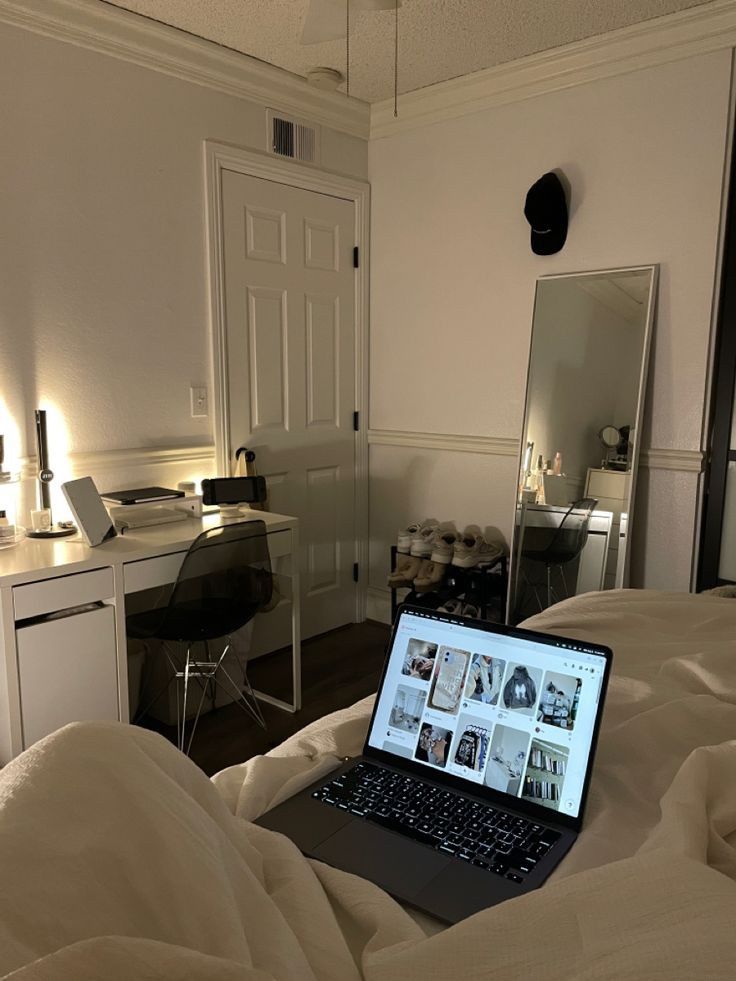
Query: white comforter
point(121, 860)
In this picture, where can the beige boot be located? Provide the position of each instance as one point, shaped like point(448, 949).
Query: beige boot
point(430, 576)
point(407, 568)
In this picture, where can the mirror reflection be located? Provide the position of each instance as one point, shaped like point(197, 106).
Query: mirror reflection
point(584, 401)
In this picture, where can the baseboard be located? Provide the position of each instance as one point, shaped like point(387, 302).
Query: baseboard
point(379, 604)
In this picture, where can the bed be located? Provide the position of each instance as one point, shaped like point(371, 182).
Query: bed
point(121, 859)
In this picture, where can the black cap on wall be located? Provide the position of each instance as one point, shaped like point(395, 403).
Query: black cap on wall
point(546, 212)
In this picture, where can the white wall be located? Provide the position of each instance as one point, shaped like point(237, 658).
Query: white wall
point(453, 286)
point(103, 294)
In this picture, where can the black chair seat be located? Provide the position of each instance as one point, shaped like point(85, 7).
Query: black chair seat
point(224, 580)
point(204, 620)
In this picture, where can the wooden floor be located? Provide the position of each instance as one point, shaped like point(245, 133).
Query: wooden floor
point(338, 668)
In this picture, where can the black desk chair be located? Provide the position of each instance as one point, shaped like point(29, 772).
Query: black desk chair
point(224, 580)
point(557, 547)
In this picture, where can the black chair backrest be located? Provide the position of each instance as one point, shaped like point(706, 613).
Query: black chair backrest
point(224, 580)
point(564, 543)
point(572, 533)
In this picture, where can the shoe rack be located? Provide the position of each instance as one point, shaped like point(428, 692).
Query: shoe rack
point(485, 585)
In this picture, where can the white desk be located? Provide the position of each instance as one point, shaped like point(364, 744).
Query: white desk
point(73, 667)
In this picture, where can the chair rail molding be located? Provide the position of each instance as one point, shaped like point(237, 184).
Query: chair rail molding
point(488, 445)
point(687, 461)
point(98, 461)
point(123, 34)
point(698, 30)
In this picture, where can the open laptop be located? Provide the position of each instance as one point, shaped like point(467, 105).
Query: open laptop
point(472, 782)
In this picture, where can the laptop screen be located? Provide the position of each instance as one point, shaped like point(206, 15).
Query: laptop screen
point(514, 713)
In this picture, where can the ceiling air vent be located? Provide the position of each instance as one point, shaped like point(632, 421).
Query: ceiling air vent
point(293, 138)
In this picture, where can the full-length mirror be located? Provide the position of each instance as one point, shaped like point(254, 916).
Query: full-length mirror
point(580, 439)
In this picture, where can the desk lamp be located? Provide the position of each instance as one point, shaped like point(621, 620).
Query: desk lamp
point(45, 476)
point(5, 475)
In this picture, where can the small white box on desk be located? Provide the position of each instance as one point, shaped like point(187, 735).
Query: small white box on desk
point(190, 505)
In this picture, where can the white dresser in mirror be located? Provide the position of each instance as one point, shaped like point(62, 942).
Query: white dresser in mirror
point(611, 488)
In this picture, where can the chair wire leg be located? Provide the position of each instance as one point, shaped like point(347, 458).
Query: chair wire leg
point(250, 693)
point(152, 701)
point(254, 700)
point(247, 701)
point(176, 672)
point(211, 685)
point(187, 668)
point(534, 588)
point(564, 581)
point(205, 689)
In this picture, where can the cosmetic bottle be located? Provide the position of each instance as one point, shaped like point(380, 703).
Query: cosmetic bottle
point(557, 466)
point(6, 529)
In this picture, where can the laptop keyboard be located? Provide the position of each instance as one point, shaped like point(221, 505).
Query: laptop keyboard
point(479, 833)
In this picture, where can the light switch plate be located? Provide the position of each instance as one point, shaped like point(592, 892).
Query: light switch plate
point(198, 399)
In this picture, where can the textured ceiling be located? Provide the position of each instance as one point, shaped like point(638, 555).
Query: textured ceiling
point(438, 39)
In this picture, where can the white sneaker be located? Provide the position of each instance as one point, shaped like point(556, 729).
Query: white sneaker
point(403, 542)
point(454, 606)
point(444, 545)
point(423, 539)
point(473, 550)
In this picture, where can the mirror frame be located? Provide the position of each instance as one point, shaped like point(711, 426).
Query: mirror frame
point(653, 270)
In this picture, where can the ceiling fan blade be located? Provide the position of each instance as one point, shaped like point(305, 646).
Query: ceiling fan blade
point(325, 20)
point(374, 4)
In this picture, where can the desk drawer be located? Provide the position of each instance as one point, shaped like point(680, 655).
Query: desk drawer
point(39, 598)
point(67, 672)
point(279, 543)
point(149, 573)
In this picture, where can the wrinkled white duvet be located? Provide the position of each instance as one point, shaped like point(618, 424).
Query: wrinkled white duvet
point(120, 859)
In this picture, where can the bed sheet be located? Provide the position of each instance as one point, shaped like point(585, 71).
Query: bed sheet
point(122, 860)
point(672, 690)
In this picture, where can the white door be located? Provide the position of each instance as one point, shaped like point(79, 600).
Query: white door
point(290, 335)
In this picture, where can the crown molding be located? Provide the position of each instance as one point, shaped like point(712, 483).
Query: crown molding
point(699, 30)
point(100, 461)
point(110, 30)
point(489, 445)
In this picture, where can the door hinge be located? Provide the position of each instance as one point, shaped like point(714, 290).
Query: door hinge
point(356, 257)
point(356, 571)
point(356, 421)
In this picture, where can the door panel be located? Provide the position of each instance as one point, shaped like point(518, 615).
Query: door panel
point(323, 360)
point(268, 369)
point(290, 316)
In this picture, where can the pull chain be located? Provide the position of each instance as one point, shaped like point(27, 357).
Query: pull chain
point(347, 48)
point(396, 57)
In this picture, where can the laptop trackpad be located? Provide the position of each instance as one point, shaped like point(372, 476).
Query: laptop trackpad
point(398, 865)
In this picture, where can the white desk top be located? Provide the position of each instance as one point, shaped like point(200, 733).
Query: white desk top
point(43, 558)
point(551, 515)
